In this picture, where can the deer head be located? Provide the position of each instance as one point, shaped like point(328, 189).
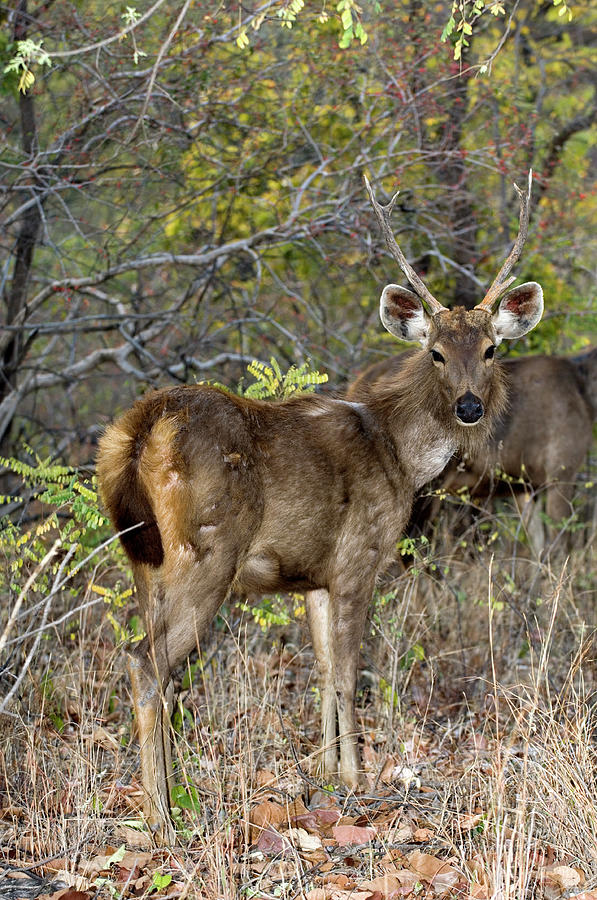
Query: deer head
point(461, 342)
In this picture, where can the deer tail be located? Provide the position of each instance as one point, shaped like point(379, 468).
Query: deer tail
point(124, 495)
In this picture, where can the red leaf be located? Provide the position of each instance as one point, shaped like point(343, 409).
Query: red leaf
point(353, 834)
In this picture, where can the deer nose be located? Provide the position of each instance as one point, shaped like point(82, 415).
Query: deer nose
point(469, 409)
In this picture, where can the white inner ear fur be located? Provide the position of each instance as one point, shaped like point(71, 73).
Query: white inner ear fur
point(409, 323)
point(509, 324)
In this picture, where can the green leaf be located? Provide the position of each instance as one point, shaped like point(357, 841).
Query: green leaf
point(159, 882)
point(346, 19)
point(449, 28)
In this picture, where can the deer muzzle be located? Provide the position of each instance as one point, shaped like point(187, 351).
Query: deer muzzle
point(469, 409)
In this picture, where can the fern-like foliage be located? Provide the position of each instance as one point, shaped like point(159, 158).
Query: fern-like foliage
point(69, 511)
point(271, 383)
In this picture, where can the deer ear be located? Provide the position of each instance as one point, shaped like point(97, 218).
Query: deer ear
point(403, 315)
point(519, 311)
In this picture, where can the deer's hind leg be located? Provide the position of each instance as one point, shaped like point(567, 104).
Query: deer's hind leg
point(178, 602)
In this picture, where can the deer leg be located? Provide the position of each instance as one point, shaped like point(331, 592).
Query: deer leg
point(318, 615)
point(558, 506)
point(153, 734)
point(348, 614)
point(529, 508)
point(179, 616)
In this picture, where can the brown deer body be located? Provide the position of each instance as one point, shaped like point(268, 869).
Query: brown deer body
point(223, 494)
point(543, 435)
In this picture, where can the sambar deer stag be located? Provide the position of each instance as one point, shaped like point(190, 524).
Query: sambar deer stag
point(214, 494)
point(542, 437)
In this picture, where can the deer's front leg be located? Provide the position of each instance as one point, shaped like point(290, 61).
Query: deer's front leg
point(348, 614)
point(318, 615)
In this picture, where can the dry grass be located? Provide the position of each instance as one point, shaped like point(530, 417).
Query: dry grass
point(494, 714)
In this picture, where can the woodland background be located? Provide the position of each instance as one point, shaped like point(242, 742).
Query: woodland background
point(181, 193)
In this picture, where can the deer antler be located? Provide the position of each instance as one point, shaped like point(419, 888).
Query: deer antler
point(502, 281)
point(383, 214)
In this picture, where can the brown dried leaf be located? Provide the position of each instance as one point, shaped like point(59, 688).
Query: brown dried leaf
point(265, 778)
point(332, 893)
point(265, 813)
point(564, 877)
point(67, 894)
point(322, 799)
point(135, 858)
point(479, 892)
point(327, 816)
point(102, 737)
point(12, 812)
point(271, 841)
point(132, 837)
point(384, 883)
point(303, 840)
point(422, 835)
point(469, 821)
point(353, 834)
point(436, 871)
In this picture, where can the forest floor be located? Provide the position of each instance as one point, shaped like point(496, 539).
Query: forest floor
point(477, 712)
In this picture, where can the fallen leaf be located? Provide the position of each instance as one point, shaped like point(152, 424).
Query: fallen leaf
point(103, 738)
point(340, 880)
point(12, 812)
point(97, 864)
point(265, 813)
point(271, 841)
point(303, 840)
point(132, 837)
point(403, 834)
point(335, 894)
point(421, 835)
point(321, 799)
point(353, 834)
point(564, 877)
point(135, 858)
point(66, 894)
point(436, 871)
point(384, 883)
point(469, 821)
point(265, 778)
point(327, 816)
point(404, 774)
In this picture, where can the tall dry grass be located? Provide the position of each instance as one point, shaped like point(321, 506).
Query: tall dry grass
point(478, 673)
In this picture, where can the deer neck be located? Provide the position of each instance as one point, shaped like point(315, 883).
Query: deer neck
point(422, 426)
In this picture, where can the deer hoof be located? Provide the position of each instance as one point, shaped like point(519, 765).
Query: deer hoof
point(355, 781)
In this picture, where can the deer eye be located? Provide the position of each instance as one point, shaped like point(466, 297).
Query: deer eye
point(489, 353)
point(437, 357)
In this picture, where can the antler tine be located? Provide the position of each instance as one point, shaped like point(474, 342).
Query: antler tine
point(502, 281)
point(383, 214)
